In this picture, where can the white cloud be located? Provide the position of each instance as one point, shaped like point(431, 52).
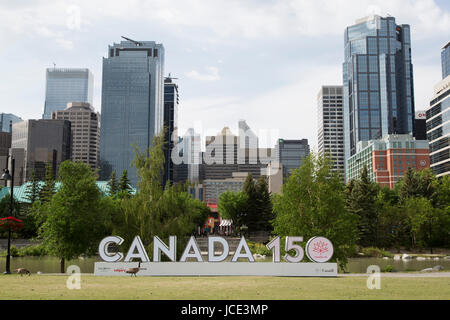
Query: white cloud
point(290, 109)
point(231, 18)
point(212, 75)
point(66, 44)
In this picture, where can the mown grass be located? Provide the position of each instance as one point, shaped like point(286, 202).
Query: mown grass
point(221, 288)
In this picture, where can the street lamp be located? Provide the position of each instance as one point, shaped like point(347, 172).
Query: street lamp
point(6, 176)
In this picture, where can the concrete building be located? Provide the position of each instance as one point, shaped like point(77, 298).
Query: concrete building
point(331, 126)
point(227, 153)
point(38, 142)
point(388, 158)
point(5, 144)
point(6, 119)
point(274, 175)
point(85, 137)
point(213, 188)
point(378, 81)
point(132, 104)
point(438, 128)
point(291, 154)
point(64, 85)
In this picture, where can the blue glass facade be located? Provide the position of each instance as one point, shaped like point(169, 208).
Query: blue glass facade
point(445, 58)
point(5, 119)
point(132, 104)
point(171, 100)
point(378, 81)
point(291, 154)
point(64, 85)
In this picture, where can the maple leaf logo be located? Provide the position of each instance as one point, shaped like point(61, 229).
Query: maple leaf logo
point(320, 247)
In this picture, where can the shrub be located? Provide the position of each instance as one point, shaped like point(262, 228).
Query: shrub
point(14, 252)
point(259, 248)
point(375, 252)
point(389, 268)
point(34, 251)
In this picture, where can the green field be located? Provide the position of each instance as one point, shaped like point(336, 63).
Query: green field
point(221, 288)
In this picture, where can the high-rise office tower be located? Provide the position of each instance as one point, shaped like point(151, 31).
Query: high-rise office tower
point(85, 137)
point(291, 154)
point(6, 119)
point(378, 81)
point(64, 85)
point(331, 125)
point(171, 101)
point(227, 153)
point(445, 57)
point(420, 125)
point(438, 128)
point(132, 104)
point(5, 144)
point(38, 142)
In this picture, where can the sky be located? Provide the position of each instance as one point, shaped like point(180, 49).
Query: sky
point(259, 60)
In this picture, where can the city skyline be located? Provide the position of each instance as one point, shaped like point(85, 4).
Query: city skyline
point(223, 65)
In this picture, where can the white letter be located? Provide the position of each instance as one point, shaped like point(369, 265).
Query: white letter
point(159, 245)
point(275, 246)
point(291, 246)
point(141, 254)
point(226, 249)
point(103, 249)
point(247, 254)
point(192, 244)
point(374, 280)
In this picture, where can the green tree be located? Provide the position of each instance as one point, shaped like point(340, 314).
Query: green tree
point(361, 201)
point(5, 205)
point(48, 189)
point(265, 208)
point(232, 206)
point(33, 190)
point(250, 215)
point(312, 203)
point(113, 185)
point(76, 218)
point(155, 211)
point(420, 213)
point(124, 184)
point(393, 225)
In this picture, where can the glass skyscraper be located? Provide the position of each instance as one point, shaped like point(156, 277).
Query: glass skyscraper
point(132, 104)
point(445, 55)
point(291, 154)
point(378, 81)
point(171, 100)
point(6, 119)
point(64, 85)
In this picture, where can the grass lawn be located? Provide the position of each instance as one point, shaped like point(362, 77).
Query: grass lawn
point(220, 288)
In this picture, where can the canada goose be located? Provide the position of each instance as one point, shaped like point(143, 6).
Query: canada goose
point(23, 271)
point(134, 270)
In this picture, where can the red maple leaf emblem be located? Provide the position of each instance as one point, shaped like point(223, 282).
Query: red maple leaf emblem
point(320, 247)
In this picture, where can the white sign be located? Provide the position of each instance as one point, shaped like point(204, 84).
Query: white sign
point(318, 250)
point(421, 115)
point(160, 269)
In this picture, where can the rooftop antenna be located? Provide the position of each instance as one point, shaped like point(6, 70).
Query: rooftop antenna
point(137, 43)
point(169, 77)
